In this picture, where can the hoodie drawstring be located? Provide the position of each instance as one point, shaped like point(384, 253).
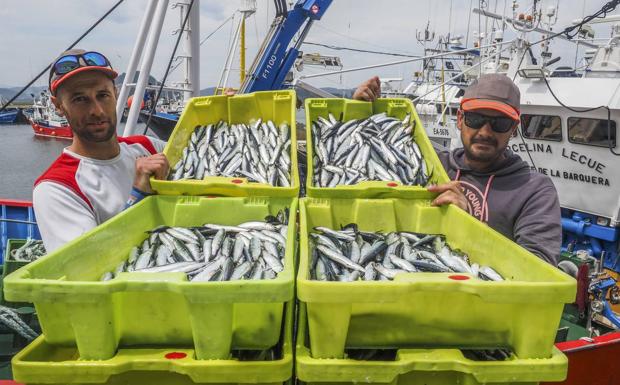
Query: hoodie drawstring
point(484, 197)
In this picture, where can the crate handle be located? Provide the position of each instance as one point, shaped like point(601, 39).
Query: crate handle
point(397, 103)
point(318, 103)
point(201, 103)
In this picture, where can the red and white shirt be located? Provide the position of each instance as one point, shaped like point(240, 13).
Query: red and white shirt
point(77, 193)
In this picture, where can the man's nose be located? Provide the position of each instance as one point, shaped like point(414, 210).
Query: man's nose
point(96, 108)
point(486, 129)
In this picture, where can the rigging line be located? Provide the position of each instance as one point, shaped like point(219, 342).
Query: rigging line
point(71, 46)
point(163, 81)
point(479, 64)
point(586, 110)
point(337, 48)
point(320, 26)
point(403, 61)
point(471, 3)
point(217, 29)
point(529, 154)
point(256, 30)
point(480, 3)
point(608, 7)
point(205, 39)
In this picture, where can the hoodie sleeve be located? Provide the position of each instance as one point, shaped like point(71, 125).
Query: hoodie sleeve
point(538, 227)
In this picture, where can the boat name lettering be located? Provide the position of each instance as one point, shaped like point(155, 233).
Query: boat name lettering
point(270, 63)
point(584, 159)
point(574, 176)
point(441, 131)
point(531, 147)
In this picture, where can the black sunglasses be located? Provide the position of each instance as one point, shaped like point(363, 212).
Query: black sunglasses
point(499, 124)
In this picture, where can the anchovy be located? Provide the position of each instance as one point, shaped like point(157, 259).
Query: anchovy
point(251, 250)
point(257, 151)
point(350, 254)
point(379, 147)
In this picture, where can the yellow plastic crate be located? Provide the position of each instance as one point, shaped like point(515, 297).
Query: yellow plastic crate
point(423, 367)
point(277, 106)
point(346, 109)
point(165, 309)
point(42, 363)
point(431, 309)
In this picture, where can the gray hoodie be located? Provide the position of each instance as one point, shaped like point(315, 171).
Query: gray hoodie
point(515, 201)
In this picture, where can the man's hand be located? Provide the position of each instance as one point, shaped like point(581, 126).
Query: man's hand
point(368, 91)
point(449, 193)
point(154, 165)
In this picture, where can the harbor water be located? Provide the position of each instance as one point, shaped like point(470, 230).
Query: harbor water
point(24, 157)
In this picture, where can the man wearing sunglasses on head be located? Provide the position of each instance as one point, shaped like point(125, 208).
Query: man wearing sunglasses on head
point(99, 174)
point(488, 180)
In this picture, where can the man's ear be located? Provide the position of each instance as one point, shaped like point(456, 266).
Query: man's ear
point(459, 119)
point(57, 103)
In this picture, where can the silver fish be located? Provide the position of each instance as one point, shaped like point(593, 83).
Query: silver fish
point(212, 252)
point(350, 255)
point(379, 147)
point(258, 151)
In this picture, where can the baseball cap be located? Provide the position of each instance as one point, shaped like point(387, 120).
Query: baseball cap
point(75, 61)
point(494, 92)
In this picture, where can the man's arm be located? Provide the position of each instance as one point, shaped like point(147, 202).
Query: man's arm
point(538, 228)
point(61, 214)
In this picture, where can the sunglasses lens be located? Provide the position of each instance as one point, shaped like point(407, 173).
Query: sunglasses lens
point(474, 120)
point(66, 64)
point(95, 59)
point(502, 125)
point(498, 124)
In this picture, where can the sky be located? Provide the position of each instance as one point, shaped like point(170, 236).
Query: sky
point(34, 32)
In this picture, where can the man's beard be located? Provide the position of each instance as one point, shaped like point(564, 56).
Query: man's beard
point(89, 137)
point(482, 157)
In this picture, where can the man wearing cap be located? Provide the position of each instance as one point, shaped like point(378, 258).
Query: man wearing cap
point(488, 180)
point(99, 174)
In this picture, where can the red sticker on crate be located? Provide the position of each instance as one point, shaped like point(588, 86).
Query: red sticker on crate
point(175, 355)
point(459, 277)
point(237, 181)
point(392, 184)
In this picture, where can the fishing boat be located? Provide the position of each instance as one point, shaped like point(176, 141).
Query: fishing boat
point(45, 121)
point(591, 224)
point(9, 115)
point(164, 118)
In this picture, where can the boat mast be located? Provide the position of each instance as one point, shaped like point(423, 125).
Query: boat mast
point(145, 67)
point(191, 76)
point(136, 53)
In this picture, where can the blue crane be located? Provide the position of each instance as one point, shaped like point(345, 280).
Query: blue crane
point(275, 58)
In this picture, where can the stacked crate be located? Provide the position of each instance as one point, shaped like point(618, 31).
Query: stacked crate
point(424, 317)
point(146, 328)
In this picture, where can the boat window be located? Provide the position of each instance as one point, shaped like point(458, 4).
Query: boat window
point(593, 132)
point(542, 127)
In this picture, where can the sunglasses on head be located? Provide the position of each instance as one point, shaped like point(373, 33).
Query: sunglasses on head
point(68, 63)
point(499, 124)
